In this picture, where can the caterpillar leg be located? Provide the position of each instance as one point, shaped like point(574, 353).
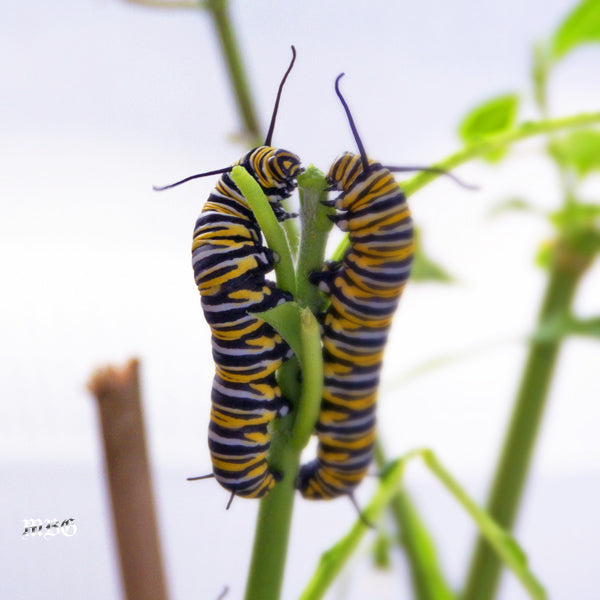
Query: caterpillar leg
point(281, 214)
point(324, 279)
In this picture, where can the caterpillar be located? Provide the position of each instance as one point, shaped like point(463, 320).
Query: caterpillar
point(230, 263)
point(364, 289)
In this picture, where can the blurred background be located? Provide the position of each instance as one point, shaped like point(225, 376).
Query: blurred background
point(102, 99)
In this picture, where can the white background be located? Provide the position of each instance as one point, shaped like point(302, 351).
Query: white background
point(100, 100)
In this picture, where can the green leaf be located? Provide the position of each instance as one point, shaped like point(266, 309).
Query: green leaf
point(424, 269)
point(563, 326)
point(381, 551)
point(332, 561)
point(579, 226)
point(502, 542)
point(427, 577)
point(581, 26)
point(578, 150)
point(545, 254)
point(540, 71)
point(576, 216)
point(586, 327)
point(490, 118)
point(285, 320)
point(513, 204)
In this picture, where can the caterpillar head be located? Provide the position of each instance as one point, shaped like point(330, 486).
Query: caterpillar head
point(274, 169)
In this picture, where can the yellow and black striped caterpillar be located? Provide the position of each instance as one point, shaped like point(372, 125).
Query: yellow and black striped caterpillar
point(230, 263)
point(364, 289)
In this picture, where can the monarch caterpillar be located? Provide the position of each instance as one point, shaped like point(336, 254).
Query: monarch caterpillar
point(230, 263)
point(364, 289)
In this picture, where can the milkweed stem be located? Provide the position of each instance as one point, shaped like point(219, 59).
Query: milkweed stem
point(513, 466)
point(484, 147)
point(265, 576)
point(237, 74)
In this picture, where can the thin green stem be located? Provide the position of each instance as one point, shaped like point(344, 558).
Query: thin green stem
point(312, 381)
point(499, 540)
point(271, 537)
point(333, 560)
point(513, 466)
point(427, 577)
point(483, 147)
point(237, 74)
point(493, 142)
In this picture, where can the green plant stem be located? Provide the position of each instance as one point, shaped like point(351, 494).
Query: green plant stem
point(271, 537)
point(493, 142)
point(269, 552)
point(484, 147)
point(312, 381)
point(503, 543)
point(237, 75)
point(427, 577)
point(315, 228)
point(513, 466)
point(271, 229)
point(333, 560)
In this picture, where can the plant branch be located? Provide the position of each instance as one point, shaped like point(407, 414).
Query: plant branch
point(513, 466)
point(237, 74)
point(502, 542)
point(484, 147)
point(284, 269)
point(428, 580)
point(315, 229)
point(333, 560)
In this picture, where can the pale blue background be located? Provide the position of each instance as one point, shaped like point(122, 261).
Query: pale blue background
point(99, 101)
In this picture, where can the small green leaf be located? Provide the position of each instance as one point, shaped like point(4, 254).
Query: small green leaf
point(578, 150)
point(540, 71)
point(285, 320)
point(581, 26)
point(545, 254)
point(576, 216)
point(332, 560)
point(563, 326)
point(492, 117)
point(579, 225)
point(587, 327)
point(506, 547)
point(553, 330)
point(425, 269)
point(513, 204)
point(381, 551)
point(428, 580)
